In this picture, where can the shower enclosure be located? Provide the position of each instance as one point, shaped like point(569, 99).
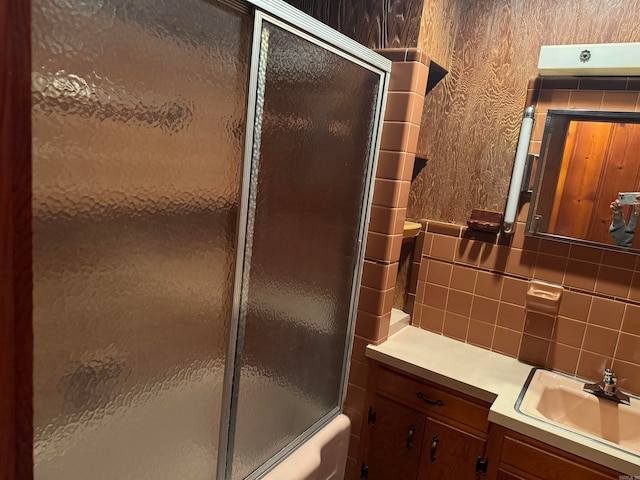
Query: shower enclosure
point(202, 174)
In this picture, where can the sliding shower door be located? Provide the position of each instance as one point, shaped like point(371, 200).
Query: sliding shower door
point(315, 130)
point(138, 137)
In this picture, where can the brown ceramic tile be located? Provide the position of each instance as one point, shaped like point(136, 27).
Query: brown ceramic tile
point(606, 313)
point(376, 302)
point(428, 243)
point(412, 139)
point(432, 319)
point(575, 305)
point(393, 54)
point(538, 126)
point(566, 83)
point(416, 111)
point(381, 276)
point(480, 334)
point(417, 55)
point(463, 278)
point(355, 397)
point(521, 262)
point(418, 247)
point(620, 101)
point(552, 99)
point(355, 416)
point(485, 237)
point(489, 285)
point(413, 277)
point(569, 332)
point(506, 341)
point(444, 228)
point(550, 268)
point(523, 212)
point(399, 106)
point(443, 247)
point(359, 348)
point(390, 165)
point(424, 269)
point(468, 252)
point(420, 291)
point(484, 309)
point(435, 296)
point(587, 99)
point(416, 314)
point(421, 83)
point(563, 358)
point(459, 302)
point(631, 322)
point(591, 365)
point(409, 304)
point(511, 316)
point(439, 273)
point(553, 247)
point(383, 220)
point(581, 275)
point(455, 326)
point(407, 171)
point(380, 247)
point(628, 348)
point(628, 375)
point(372, 327)
point(358, 373)
point(539, 325)
point(404, 77)
point(614, 281)
point(633, 84)
point(514, 290)
point(534, 83)
point(388, 193)
point(518, 237)
point(603, 83)
point(634, 289)
point(494, 257)
point(534, 147)
point(585, 254)
point(612, 258)
point(533, 350)
point(395, 136)
point(600, 340)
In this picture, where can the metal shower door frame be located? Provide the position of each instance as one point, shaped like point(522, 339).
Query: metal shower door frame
point(278, 13)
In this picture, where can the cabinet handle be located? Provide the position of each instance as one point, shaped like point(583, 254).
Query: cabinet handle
point(421, 396)
point(434, 446)
point(412, 429)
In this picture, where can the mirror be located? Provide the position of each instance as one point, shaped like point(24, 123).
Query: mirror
point(587, 158)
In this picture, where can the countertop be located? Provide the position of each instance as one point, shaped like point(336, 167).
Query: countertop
point(491, 377)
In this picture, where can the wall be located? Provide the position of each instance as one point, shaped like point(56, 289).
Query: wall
point(471, 286)
point(471, 120)
point(373, 23)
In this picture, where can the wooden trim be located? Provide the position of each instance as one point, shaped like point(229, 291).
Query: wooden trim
point(16, 337)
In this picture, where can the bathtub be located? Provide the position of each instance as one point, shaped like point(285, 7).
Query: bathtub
point(322, 457)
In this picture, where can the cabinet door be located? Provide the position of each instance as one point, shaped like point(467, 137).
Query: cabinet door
point(449, 453)
point(396, 441)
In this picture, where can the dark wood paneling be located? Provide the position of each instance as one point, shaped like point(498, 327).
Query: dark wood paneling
point(373, 23)
point(16, 433)
point(471, 120)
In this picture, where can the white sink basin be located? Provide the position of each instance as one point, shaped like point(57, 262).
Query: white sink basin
point(559, 400)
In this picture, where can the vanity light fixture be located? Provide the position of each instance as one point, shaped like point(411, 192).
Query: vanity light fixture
point(601, 59)
point(518, 171)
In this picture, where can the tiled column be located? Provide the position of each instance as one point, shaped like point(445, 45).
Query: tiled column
point(384, 238)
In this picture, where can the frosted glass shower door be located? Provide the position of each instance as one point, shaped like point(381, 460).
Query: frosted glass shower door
point(138, 137)
point(314, 138)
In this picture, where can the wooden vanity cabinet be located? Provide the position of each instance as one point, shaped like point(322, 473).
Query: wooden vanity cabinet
point(419, 430)
point(523, 458)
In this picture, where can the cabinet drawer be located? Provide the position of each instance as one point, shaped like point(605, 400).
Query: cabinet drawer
point(429, 398)
point(552, 463)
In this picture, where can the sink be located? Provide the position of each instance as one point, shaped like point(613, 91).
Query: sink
point(559, 400)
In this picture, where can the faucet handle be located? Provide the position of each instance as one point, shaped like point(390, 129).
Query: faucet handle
point(609, 381)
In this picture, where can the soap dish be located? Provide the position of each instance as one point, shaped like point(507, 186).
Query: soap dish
point(543, 297)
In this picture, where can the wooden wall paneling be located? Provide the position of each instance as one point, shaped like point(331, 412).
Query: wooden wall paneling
point(471, 120)
point(16, 431)
point(373, 23)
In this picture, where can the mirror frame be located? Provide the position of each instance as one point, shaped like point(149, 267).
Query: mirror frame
point(554, 136)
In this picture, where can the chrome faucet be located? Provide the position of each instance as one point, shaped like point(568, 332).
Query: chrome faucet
point(607, 389)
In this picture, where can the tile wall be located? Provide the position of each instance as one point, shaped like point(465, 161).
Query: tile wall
point(384, 238)
point(471, 286)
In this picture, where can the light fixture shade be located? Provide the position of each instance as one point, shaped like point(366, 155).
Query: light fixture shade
point(604, 59)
